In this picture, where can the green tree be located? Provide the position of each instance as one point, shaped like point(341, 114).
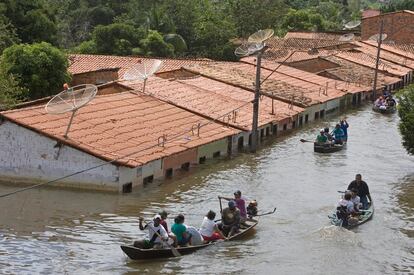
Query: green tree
point(303, 20)
point(117, 39)
point(406, 113)
point(11, 93)
point(154, 45)
point(40, 68)
point(397, 5)
point(32, 20)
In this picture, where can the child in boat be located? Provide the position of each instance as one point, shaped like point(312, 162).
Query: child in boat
point(345, 209)
point(252, 209)
point(209, 229)
point(180, 231)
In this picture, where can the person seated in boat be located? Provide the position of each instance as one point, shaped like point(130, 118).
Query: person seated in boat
point(321, 138)
point(180, 231)
point(379, 102)
point(345, 208)
point(209, 229)
point(164, 223)
point(355, 199)
point(363, 190)
point(157, 236)
point(196, 238)
point(240, 204)
point(328, 135)
point(230, 219)
point(252, 209)
point(338, 134)
point(390, 101)
point(344, 126)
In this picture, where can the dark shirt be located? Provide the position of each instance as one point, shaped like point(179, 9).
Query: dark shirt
point(362, 188)
point(344, 127)
point(230, 217)
point(164, 224)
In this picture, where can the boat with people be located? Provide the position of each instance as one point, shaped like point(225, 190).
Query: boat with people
point(363, 217)
point(385, 104)
point(329, 142)
point(136, 253)
point(384, 109)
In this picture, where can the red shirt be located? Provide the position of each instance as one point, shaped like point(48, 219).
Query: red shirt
point(165, 225)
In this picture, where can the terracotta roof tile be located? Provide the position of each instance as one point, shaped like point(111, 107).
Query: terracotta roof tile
point(200, 95)
point(316, 35)
point(278, 85)
point(404, 50)
point(84, 63)
point(114, 125)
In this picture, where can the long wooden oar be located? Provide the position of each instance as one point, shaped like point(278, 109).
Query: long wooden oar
point(304, 140)
point(267, 213)
point(173, 249)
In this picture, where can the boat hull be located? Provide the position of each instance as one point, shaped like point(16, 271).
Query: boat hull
point(388, 110)
point(136, 253)
point(327, 148)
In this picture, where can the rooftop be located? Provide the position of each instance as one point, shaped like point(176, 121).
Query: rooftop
point(335, 36)
point(128, 123)
point(84, 63)
point(279, 86)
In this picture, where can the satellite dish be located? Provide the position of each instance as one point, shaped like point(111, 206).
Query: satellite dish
point(143, 70)
point(346, 37)
point(260, 36)
point(376, 37)
point(248, 49)
point(352, 24)
point(70, 100)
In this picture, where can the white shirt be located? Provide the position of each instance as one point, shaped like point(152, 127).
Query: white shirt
point(356, 201)
point(152, 229)
point(207, 227)
point(196, 238)
point(348, 204)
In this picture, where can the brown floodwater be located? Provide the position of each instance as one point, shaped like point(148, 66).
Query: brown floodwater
point(53, 231)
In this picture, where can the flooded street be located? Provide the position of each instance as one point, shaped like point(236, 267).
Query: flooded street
point(54, 231)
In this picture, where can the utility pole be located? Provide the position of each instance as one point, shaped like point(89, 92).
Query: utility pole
point(255, 122)
point(374, 88)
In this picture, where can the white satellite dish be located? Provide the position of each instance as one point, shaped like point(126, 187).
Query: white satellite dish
point(248, 49)
point(376, 37)
point(70, 100)
point(352, 24)
point(346, 37)
point(143, 70)
point(260, 36)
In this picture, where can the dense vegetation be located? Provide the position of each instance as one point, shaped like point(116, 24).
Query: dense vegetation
point(406, 113)
point(170, 28)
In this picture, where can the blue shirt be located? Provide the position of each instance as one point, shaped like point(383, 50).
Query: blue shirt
point(344, 127)
point(338, 133)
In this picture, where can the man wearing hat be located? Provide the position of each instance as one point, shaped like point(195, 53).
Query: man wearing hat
point(156, 233)
point(230, 219)
point(240, 204)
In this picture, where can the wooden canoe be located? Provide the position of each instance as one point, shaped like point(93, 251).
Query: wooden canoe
point(136, 253)
point(365, 216)
point(327, 148)
point(388, 110)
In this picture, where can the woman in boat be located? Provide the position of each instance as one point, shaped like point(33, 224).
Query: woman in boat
point(180, 231)
point(209, 229)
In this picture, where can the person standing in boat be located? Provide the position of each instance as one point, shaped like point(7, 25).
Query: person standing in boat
point(363, 190)
point(209, 229)
point(230, 219)
point(240, 204)
point(344, 126)
point(180, 231)
point(338, 134)
point(157, 235)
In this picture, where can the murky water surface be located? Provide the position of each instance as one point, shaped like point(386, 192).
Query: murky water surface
point(53, 231)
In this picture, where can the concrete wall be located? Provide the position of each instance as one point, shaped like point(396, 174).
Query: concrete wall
point(97, 77)
point(208, 150)
point(28, 157)
point(399, 27)
point(175, 161)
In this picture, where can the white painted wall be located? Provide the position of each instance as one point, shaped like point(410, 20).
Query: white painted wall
point(28, 157)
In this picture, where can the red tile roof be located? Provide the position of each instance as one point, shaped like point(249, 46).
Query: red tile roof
point(370, 13)
point(404, 50)
point(201, 97)
point(278, 85)
point(84, 63)
point(317, 35)
point(115, 125)
point(390, 13)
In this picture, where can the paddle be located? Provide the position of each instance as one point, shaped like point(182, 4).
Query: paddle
point(267, 213)
point(173, 249)
point(304, 140)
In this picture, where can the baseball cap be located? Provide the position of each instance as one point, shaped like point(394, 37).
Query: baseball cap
point(232, 203)
point(157, 217)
